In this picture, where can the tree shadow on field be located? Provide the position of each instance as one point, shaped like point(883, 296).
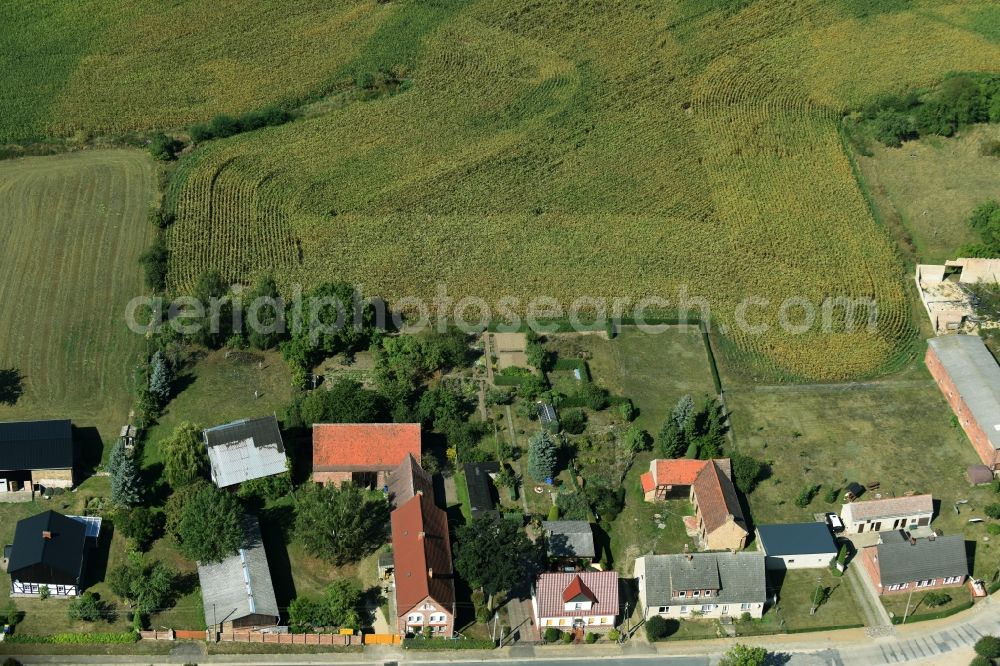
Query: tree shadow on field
point(11, 386)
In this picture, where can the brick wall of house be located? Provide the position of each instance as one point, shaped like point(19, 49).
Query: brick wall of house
point(975, 433)
point(869, 561)
point(335, 478)
point(426, 608)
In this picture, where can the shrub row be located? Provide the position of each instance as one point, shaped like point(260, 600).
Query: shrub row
point(446, 644)
point(222, 125)
point(76, 639)
point(934, 616)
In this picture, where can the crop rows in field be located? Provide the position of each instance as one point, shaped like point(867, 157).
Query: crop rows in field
point(570, 149)
point(73, 228)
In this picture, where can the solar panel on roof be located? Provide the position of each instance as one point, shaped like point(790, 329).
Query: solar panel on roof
point(91, 525)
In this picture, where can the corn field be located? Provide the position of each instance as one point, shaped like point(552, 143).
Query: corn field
point(596, 149)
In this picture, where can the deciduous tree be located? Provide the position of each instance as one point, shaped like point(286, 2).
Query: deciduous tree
point(340, 524)
point(211, 525)
point(494, 553)
point(184, 456)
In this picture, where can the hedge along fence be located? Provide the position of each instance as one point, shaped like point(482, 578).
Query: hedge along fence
point(447, 644)
point(573, 364)
point(833, 627)
point(934, 616)
point(509, 380)
point(75, 639)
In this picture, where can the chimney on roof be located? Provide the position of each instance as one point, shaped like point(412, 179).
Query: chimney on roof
point(430, 572)
point(420, 492)
point(687, 554)
point(421, 535)
point(47, 535)
point(913, 541)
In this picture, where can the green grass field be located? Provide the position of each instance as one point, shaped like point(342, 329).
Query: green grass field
point(933, 185)
point(73, 228)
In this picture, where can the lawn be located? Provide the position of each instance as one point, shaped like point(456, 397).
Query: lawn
point(218, 389)
point(896, 604)
point(933, 185)
point(796, 591)
point(73, 228)
point(897, 433)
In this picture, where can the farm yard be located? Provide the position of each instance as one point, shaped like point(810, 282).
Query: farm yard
point(73, 228)
point(896, 433)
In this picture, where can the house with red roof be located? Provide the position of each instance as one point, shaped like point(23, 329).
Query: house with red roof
point(671, 478)
point(587, 600)
point(718, 515)
point(424, 580)
point(362, 453)
point(718, 521)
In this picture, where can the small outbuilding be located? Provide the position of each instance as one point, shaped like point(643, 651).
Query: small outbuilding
point(36, 453)
point(483, 496)
point(796, 546)
point(569, 540)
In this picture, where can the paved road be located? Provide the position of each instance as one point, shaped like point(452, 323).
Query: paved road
point(940, 642)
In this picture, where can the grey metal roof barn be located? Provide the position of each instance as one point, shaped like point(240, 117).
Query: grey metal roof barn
point(976, 375)
point(28, 445)
point(569, 538)
point(738, 577)
point(239, 586)
point(902, 560)
point(244, 450)
point(796, 539)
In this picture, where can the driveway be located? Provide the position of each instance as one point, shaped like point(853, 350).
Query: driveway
point(876, 617)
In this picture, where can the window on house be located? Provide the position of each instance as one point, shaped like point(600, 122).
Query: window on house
point(708, 593)
point(684, 609)
point(663, 609)
point(697, 593)
point(682, 594)
point(577, 606)
point(746, 606)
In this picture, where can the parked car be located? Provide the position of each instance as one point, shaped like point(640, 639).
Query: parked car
point(835, 523)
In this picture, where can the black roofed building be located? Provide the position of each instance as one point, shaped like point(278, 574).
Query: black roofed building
point(48, 551)
point(36, 453)
point(900, 563)
point(797, 545)
point(693, 585)
point(237, 593)
point(483, 496)
point(245, 450)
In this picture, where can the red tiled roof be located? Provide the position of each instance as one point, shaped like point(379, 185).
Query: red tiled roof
point(647, 482)
point(551, 589)
point(576, 590)
point(422, 554)
point(716, 497)
point(676, 472)
point(363, 447)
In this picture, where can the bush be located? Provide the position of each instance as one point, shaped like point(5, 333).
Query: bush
point(567, 638)
point(831, 495)
point(75, 639)
point(992, 510)
point(989, 647)
point(154, 263)
point(627, 410)
point(552, 635)
point(163, 147)
point(656, 628)
point(990, 148)
point(574, 421)
point(141, 524)
point(222, 125)
point(993, 528)
point(806, 496)
point(747, 472)
point(935, 599)
point(893, 127)
point(614, 635)
point(591, 638)
point(980, 660)
point(85, 608)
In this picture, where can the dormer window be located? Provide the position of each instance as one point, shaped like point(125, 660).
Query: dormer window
point(697, 593)
point(682, 594)
point(708, 593)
